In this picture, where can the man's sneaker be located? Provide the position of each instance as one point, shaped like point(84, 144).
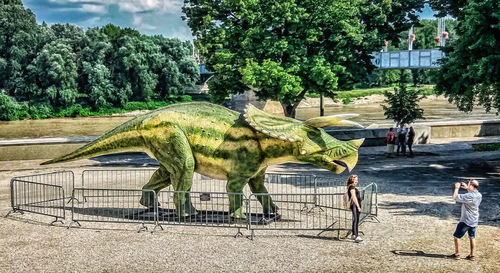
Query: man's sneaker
point(358, 239)
point(353, 237)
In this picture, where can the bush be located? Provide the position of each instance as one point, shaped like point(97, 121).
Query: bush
point(8, 107)
point(42, 111)
point(484, 147)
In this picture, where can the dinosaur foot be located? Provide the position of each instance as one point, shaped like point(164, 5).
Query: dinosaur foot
point(268, 218)
point(238, 215)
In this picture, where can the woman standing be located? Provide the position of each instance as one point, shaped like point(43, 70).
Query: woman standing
point(411, 138)
point(355, 199)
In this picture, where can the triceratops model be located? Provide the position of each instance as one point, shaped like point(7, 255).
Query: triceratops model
point(224, 144)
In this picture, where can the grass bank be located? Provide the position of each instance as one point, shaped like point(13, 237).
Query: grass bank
point(349, 95)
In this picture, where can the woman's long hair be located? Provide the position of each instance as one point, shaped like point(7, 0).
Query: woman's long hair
point(350, 180)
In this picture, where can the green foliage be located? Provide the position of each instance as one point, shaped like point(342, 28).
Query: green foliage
point(8, 107)
point(306, 46)
point(272, 81)
point(63, 66)
point(485, 147)
point(403, 105)
point(19, 42)
point(470, 72)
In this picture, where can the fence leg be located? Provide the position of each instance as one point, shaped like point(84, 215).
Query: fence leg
point(238, 234)
point(13, 211)
point(154, 229)
point(73, 198)
point(143, 227)
point(56, 220)
point(70, 224)
point(252, 234)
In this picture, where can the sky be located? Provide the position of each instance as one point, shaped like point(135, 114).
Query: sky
point(149, 17)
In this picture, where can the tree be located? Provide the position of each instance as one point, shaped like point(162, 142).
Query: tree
point(8, 107)
point(178, 71)
point(403, 105)
point(285, 49)
point(19, 42)
point(470, 72)
point(94, 77)
point(57, 73)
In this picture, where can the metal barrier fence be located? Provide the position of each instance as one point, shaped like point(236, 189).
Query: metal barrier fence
point(212, 210)
point(111, 206)
point(65, 179)
point(297, 213)
point(44, 194)
point(305, 202)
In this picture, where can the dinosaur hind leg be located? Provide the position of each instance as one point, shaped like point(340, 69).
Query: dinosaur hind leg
point(234, 188)
point(159, 180)
point(171, 148)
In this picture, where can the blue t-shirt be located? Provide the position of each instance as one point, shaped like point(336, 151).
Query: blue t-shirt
point(470, 207)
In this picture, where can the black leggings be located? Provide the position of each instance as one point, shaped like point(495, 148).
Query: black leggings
point(355, 219)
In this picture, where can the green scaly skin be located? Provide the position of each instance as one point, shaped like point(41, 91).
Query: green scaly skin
point(220, 143)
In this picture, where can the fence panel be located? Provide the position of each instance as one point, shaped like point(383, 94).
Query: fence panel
point(65, 179)
point(38, 198)
point(369, 203)
point(295, 212)
point(212, 209)
point(116, 179)
point(112, 206)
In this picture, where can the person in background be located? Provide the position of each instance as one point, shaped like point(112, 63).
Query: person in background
point(401, 140)
point(411, 138)
point(390, 140)
point(469, 217)
point(355, 199)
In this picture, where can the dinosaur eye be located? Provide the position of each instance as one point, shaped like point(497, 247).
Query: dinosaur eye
point(312, 134)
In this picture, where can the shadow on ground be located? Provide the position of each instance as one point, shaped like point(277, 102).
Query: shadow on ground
point(418, 253)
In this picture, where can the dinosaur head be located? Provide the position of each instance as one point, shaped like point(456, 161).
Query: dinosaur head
point(311, 144)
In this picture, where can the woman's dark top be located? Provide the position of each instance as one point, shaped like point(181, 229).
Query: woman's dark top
point(358, 196)
point(411, 136)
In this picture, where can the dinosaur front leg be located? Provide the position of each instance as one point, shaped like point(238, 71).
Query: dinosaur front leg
point(234, 188)
point(257, 186)
point(159, 180)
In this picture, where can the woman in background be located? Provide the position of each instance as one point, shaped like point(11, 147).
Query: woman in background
point(355, 199)
point(411, 138)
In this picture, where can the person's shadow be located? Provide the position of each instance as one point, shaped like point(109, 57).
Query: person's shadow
point(418, 253)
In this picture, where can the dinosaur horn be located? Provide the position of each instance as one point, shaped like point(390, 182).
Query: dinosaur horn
point(335, 120)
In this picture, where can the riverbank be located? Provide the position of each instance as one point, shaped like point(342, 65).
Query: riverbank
point(436, 108)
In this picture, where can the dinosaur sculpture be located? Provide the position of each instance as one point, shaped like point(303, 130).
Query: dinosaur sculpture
point(223, 144)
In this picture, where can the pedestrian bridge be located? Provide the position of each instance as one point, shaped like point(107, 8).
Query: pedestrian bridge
point(408, 59)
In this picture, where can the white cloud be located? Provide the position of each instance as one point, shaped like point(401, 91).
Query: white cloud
point(132, 6)
point(138, 22)
point(160, 6)
point(94, 8)
point(182, 33)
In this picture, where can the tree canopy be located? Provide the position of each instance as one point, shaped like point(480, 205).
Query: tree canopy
point(287, 48)
point(63, 65)
point(470, 72)
point(402, 105)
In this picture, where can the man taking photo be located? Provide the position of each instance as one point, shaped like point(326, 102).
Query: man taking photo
point(469, 215)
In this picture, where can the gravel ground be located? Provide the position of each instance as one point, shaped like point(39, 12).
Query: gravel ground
point(416, 212)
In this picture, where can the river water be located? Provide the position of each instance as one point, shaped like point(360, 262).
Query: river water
point(434, 110)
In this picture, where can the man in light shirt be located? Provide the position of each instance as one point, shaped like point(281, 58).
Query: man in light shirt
point(469, 217)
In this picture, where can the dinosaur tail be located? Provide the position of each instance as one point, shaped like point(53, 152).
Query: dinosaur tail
point(123, 138)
